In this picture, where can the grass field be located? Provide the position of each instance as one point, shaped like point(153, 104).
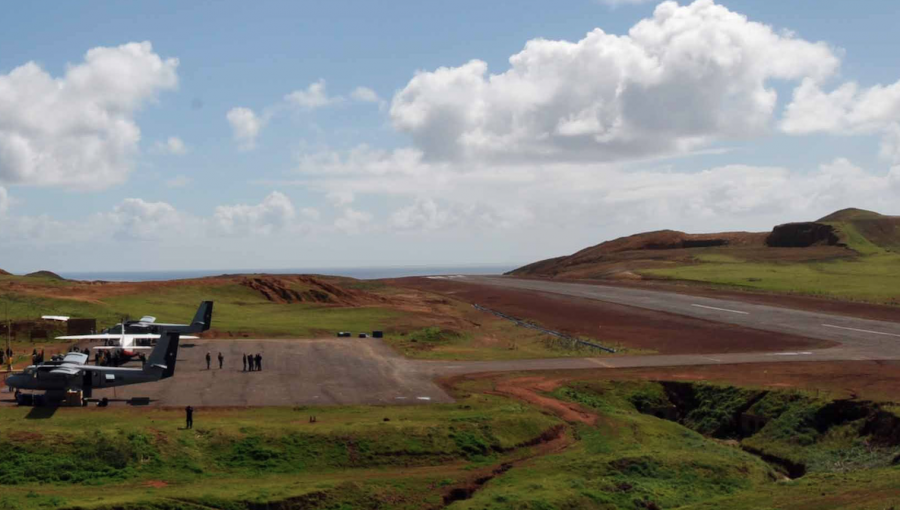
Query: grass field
point(238, 309)
point(114, 457)
point(871, 275)
point(871, 278)
point(485, 451)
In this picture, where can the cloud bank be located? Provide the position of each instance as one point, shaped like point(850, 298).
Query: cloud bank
point(78, 130)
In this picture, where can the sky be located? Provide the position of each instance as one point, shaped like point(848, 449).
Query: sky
point(198, 135)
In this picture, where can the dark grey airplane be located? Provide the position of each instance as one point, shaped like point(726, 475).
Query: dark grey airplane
point(73, 372)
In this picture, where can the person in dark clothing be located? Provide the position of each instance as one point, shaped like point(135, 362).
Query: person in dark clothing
point(221, 359)
point(189, 417)
point(208, 360)
point(244, 359)
point(258, 361)
point(97, 358)
point(1, 357)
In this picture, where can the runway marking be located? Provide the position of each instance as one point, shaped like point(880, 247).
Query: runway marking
point(805, 353)
point(861, 330)
point(712, 359)
point(423, 398)
point(601, 363)
point(721, 309)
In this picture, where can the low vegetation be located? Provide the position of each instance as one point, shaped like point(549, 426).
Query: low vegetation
point(851, 255)
point(126, 457)
point(872, 278)
point(715, 446)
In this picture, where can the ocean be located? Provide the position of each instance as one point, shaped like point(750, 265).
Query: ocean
point(362, 273)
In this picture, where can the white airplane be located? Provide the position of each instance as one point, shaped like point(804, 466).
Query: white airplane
point(132, 336)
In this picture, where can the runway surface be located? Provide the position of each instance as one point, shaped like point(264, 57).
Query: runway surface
point(343, 371)
point(867, 337)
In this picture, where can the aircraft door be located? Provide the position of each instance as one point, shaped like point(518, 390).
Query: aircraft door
point(87, 383)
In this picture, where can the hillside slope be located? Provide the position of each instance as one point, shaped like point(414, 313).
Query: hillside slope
point(852, 253)
point(866, 228)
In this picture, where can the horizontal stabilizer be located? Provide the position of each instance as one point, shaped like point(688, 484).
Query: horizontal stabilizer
point(67, 371)
point(113, 336)
point(78, 358)
point(119, 348)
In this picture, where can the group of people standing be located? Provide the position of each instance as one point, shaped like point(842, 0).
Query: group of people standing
point(37, 357)
point(253, 362)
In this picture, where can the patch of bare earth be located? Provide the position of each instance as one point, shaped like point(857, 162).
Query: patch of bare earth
point(870, 380)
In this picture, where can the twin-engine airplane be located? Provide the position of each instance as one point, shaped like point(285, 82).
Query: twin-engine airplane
point(73, 372)
point(130, 338)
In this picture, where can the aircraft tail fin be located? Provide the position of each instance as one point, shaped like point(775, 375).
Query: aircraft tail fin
point(165, 354)
point(203, 317)
point(202, 320)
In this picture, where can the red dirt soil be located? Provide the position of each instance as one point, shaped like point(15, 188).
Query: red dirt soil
point(531, 389)
point(275, 288)
point(609, 323)
point(870, 380)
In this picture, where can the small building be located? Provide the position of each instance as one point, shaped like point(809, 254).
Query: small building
point(81, 326)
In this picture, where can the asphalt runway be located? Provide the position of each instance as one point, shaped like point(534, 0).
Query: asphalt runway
point(329, 371)
point(345, 371)
point(867, 337)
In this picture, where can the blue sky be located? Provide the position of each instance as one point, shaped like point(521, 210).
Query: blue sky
point(466, 197)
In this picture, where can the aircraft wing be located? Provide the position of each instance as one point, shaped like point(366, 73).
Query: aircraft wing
point(61, 318)
point(77, 358)
point(99, 336)
point(66, 371)
point(117, 347)
point(117, 336)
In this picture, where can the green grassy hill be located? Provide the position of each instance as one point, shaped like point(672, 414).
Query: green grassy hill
point(866, 232)
point(851, 254)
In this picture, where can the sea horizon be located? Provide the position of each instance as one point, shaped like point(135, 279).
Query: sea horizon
point(362, 273)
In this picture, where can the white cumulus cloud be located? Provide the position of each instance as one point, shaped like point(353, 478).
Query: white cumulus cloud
point(78, 130)
point(890, 144)
point(173, 145)
point(422, 215)
point(340, 198)
point(847, 110)
point(685, 77)
point(367, 95)
point(275, 212)
point(136, 218)
point(314, 96)
point(245, 127)
point(352, 221)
